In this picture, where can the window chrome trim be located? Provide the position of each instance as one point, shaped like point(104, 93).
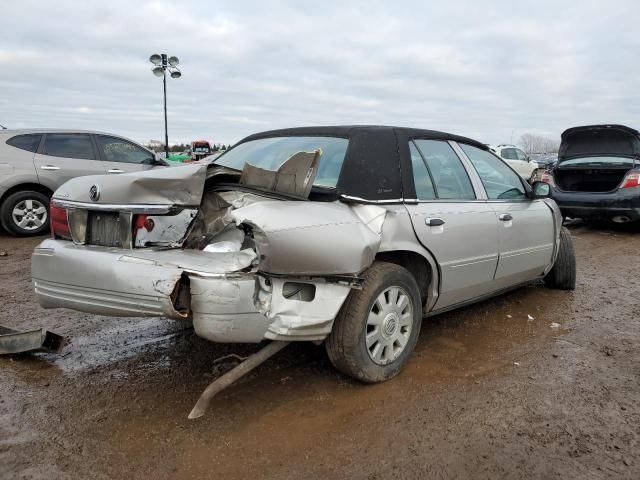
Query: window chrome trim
point(364, 200)
point(476, 181)
point(111, 207)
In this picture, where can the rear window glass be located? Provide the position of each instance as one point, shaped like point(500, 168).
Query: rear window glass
point(271, 153)
point(28, 142)
point(69, 145)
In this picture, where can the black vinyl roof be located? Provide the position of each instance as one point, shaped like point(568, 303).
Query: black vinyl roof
point(373, 165)
point(347, 131)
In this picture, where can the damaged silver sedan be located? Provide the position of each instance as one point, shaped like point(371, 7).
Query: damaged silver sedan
point(344, 235)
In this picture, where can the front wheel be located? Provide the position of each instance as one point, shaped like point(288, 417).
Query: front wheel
point(378, 326)
point(25, 213)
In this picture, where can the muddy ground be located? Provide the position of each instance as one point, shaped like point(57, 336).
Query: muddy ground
point(488, 393)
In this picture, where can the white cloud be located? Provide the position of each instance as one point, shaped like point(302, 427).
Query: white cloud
point(490, 70)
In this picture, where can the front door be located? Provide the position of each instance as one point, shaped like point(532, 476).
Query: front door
point(63, 156)
point(121, 156)
point(525, 226)
point(460, 231)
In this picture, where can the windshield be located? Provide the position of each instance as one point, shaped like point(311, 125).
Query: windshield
point(270, 153)
point(599, 161)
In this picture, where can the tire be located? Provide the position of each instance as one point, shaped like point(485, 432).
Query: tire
point(347, 345)
point(35, 220)
point(563, 274)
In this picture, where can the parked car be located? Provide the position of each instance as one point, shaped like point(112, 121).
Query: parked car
point(517, 159)
point(342, 235)
point(597, 175)
point(35, 162)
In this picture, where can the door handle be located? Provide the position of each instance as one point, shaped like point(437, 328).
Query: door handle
point(115, 170)
point(49, 167)
point(505, 217)
point(434, 222)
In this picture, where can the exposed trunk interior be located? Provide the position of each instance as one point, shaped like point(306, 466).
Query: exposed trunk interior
point(589, 180)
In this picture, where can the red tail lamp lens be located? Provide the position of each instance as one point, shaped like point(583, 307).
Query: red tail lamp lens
point(631, 180)
point(59, 222)
point(143, 221)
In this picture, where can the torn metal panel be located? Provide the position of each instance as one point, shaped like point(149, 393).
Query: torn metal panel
point(163, 186)
point(309, 238)
point(167, 230)
point(14, 341)
point(224, 311)
point(300, 319)
point(294, 177)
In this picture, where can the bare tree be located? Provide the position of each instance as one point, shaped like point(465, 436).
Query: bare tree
point(532, 143)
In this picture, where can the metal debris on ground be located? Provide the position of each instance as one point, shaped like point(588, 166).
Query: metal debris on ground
point(234, 374)
point(530, 318)
point(555, 325)
point(14, 341)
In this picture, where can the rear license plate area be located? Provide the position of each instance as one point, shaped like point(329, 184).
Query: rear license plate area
point(104, 229)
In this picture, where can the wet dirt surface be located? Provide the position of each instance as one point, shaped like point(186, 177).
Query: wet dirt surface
point(489, 392)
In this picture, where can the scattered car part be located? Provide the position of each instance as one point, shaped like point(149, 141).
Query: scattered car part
point(14, 341)
point(231, 376)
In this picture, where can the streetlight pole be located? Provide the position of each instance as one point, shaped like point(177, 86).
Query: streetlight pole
point(162, 64)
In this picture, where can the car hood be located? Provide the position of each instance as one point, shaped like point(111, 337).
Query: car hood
point(599, 140)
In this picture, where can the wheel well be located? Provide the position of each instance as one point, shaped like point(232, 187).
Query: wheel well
point(415, 263)
point(36, 187)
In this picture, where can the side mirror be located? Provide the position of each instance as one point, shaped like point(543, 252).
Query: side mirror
point(541, 189)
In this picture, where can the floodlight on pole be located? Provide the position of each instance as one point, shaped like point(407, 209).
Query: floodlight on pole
point(162, 64)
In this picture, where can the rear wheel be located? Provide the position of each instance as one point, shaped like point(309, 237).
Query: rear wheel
point(25, 213)
point(378, 326)
point(563, 274)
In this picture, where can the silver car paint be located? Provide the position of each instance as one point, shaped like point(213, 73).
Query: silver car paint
point(298, 241)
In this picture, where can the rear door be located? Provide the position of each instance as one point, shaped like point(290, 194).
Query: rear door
point(456, 226)
point(62, 156)
point(526, 227)
point(121, 156)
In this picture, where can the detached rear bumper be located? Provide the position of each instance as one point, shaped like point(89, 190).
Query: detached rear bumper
point(623, 202)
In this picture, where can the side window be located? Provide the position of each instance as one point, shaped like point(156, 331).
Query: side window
point(449, 176)
point(28, 142)
point(69, 145)
point(520, 155)
point(498, 179)
point(119, 150)
point(508, 153)
point(421, 177)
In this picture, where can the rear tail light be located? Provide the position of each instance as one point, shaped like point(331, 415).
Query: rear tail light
point(59, 222)
point(547, 177)
point(143, 221)
point(631, 180)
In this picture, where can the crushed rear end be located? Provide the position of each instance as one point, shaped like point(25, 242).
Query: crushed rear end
point(203, 244)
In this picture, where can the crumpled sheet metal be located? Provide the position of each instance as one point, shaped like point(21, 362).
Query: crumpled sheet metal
point(312, 238)
point(223, 310)
point(296, 319)
point(181, 186)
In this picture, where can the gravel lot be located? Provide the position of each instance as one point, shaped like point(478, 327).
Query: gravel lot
point(487, 394)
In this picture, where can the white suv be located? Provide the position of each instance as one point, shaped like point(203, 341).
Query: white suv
point(517, 159)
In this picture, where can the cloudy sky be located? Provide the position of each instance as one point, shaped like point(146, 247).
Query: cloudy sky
point(488, 70)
